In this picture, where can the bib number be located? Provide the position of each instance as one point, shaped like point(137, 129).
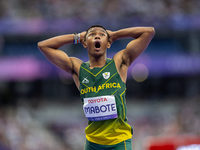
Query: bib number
point(100, 108)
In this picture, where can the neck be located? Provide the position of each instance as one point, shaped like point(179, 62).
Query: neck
point(97, 62)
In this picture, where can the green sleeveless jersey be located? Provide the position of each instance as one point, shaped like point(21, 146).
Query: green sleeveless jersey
point(97, 85)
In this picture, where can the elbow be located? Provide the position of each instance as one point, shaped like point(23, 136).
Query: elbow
point(40, 45)
point(151, 31)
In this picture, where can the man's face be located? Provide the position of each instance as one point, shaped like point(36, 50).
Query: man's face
point(96, 41)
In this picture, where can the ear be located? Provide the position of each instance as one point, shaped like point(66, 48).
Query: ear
point(84, 44)
point(109, 44)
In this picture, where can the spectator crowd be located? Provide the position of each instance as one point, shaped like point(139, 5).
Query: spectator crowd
point(112, 13)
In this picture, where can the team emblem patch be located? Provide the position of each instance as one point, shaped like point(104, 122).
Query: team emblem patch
point(106, 75)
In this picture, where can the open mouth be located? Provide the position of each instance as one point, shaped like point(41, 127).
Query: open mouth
point(97, 44)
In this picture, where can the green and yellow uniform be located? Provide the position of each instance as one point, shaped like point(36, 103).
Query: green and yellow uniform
point(97, 85)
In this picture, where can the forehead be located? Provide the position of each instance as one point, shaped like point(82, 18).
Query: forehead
point(95, 29)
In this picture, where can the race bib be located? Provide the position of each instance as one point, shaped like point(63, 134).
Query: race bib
point(100, 108)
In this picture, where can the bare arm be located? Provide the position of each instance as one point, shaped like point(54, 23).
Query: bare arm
point(59, 58)
point(142, 37)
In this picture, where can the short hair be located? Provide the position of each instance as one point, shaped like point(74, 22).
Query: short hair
point(96, 26)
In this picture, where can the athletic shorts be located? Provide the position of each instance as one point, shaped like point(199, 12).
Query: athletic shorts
point(125, 145)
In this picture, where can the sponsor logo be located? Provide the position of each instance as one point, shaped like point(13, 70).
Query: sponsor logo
point(98, 100)
point(106, 75)
point(85, 80)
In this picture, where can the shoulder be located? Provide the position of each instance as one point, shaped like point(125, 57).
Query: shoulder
point(76, 62)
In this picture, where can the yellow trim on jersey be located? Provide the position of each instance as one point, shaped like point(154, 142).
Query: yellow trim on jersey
point(123, 103)
point(125, 145)
point(114, 92)
point(99, 71)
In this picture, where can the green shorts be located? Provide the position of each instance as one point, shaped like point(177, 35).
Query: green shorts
point(125, 145)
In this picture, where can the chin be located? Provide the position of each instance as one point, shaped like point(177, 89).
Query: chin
point(98, 54)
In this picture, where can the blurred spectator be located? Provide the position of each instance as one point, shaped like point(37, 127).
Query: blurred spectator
point(19, 131)
point(112, 12)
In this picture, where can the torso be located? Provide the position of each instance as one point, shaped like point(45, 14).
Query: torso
point(120, 66)
point(99, 82)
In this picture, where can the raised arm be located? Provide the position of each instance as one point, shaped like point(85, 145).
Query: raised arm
point(59, 58)
point(142, 37)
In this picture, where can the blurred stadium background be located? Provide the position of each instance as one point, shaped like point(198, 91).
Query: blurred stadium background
point(40, 107)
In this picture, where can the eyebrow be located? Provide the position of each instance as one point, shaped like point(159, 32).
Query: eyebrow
point(102, 30)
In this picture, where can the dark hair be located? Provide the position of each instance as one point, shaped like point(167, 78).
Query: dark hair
point(96, 26)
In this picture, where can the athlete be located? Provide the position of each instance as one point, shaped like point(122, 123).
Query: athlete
point(101, 80)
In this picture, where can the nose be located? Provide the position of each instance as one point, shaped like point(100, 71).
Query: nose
point(97, 37)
